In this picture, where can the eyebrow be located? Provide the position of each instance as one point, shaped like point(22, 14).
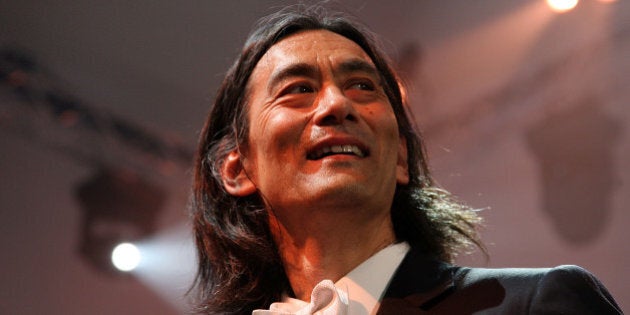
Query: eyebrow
point(357, 65)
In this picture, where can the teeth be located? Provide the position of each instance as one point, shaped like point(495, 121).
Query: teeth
point(350, 149)
point(338, 149)
point(356, 151)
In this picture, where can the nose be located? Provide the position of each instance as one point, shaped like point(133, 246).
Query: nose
point(334, 108)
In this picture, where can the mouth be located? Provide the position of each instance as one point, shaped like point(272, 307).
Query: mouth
point(347, 149)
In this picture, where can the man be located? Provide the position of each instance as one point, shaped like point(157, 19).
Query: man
point(312, 194)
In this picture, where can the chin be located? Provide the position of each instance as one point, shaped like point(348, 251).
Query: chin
point(351, 194)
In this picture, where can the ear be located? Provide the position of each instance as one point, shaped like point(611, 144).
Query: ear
point(402, 167)
point(235, 179)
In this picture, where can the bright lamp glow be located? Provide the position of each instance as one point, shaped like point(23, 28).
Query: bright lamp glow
point(126, 257)
point(562, 5)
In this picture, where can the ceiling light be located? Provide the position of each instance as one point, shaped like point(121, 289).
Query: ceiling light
point(562, 5)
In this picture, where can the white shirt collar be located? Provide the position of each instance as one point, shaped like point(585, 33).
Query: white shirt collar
point(361, 289)
point(366, 283)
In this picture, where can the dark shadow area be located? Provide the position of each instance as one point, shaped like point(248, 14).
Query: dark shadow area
point(575, 151)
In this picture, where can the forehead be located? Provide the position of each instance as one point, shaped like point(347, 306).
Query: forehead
point(313, 41)
point(317, 47)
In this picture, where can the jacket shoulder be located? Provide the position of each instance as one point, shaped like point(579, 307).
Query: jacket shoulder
point(570, 289)
point(423, 285)
point(566, 289)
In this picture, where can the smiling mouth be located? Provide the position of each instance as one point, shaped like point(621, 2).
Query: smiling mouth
point(337, 149)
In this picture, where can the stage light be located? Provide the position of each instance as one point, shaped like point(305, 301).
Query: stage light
point(117, 206)
point(562, 5)
point(126, 257)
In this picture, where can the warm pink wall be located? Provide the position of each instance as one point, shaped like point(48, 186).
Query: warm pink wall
point(489, 72)
point(534, 128)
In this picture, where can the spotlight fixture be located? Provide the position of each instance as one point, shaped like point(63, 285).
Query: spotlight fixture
point(126, 257)
point(117, 207)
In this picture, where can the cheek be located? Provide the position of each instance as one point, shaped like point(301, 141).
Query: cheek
point(382, 121)
point(275, 135)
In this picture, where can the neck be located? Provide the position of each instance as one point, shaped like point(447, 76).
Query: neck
point(328, 246)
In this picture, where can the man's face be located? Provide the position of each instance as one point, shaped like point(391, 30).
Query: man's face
point(322, 131)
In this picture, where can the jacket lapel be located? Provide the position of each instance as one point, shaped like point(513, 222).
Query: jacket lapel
point(419, 283)
point(422, 285)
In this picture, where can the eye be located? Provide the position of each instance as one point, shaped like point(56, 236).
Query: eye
point(365, 86)
point(297, 89)
point(362, 85)
point(296, 94)
point(362, 90)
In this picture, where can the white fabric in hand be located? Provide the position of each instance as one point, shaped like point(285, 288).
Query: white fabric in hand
point(326, 299)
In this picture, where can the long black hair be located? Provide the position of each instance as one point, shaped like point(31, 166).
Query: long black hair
point(239, 265)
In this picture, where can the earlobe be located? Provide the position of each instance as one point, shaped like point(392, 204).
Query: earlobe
point(402, 166)
point(235, 179)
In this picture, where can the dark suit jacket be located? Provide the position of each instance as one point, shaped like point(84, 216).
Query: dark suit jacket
point(426, 286)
